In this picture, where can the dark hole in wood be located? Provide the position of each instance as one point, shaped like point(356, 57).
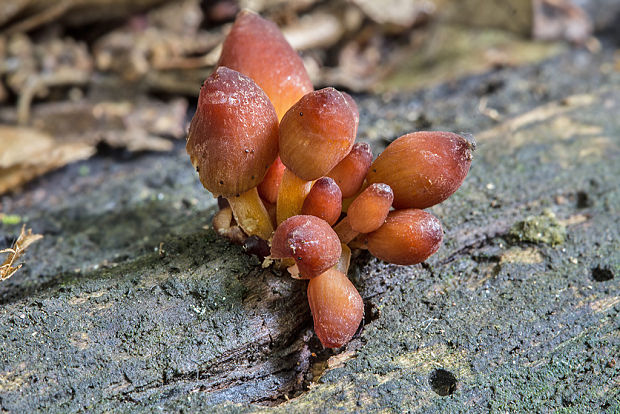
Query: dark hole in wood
point(583, 200)
point(371, 312)
point(442, 381)
point(602, 274)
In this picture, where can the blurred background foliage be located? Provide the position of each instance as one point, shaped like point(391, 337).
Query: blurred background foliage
point(77, 76)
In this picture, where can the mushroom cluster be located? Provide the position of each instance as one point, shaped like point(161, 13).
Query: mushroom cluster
point(284, 156)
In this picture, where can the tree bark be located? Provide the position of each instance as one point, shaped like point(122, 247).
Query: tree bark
point(129, 304)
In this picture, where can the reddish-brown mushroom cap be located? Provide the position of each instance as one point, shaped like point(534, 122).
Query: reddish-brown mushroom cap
point(233, 137)
point(310, 241)
point(257, 48)
point(324, 200)
point(407, 237)
point(337, 308)
point(368, 211)
point(316, 133)
point(268, 188)
point(349, 173)
point(423, 168)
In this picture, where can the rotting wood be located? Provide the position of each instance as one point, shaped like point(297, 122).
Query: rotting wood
point(197, 323)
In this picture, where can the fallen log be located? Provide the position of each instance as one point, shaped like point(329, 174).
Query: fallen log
point(128, 304)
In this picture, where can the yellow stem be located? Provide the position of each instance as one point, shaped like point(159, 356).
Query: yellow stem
point(251, 214)
point(345, 259)
point(344, 231)
point(291, 195)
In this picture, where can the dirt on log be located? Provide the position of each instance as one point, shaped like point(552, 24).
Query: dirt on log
point(130, 303)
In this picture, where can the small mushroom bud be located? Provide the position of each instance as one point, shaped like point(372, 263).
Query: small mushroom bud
point(232, 141)
point(268, 188)
point(350, 172)
point(407, 237)
point(315, 135)
point(224, 225)
point(310, 241)
point(346, 202)
point(257, 48)
point(366, 213)
point(324, 200)
point(337, 308)
point(423, 168)
point(341, 266)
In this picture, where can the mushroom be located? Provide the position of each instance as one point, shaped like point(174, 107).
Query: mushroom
point(268, 188)
point(345, 259)
point(315, 134)
point(257, 48)
point(223, 224)
point(259, 102)
point(342, 266)
point(423, 168)
point(366, 213)
point(324, 200)
point(291, 195)
point(232, 141)
point(407, 237)
point(350, 172)
point(337, 308)
point(310, 241)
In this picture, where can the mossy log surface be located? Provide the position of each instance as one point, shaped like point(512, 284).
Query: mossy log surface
point(129, 304)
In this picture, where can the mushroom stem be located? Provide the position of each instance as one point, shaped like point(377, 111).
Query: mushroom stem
point(344, 231)
point(251, 214)
point(293, 192)
point(345, 259)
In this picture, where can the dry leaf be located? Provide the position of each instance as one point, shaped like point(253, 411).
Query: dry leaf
point(70, 131)
point(32, 69)
point(169, 39)
point(34, 14)
point(27, 153)
point(8, 268)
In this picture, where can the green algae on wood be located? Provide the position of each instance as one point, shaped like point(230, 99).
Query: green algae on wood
point(544, 228)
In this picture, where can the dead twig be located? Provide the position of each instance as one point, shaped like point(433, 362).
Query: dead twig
point(25, 239)
point(45, 16)
point(66, 76)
